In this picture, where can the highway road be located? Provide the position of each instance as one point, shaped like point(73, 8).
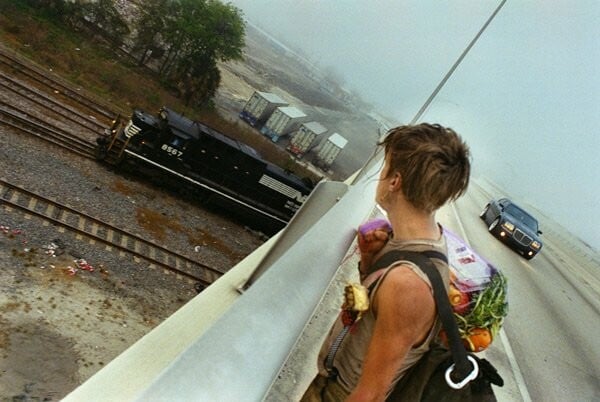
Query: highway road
point(549, 348)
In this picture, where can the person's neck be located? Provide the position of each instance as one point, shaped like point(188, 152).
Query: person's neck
point(413, 224)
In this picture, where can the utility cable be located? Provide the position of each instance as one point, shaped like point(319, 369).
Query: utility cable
point(458, 61)
point(373, 159)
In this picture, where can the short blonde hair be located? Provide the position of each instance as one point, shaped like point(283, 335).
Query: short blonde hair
point(433, 161)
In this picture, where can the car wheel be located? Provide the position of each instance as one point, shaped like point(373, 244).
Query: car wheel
point(494, 225)
point(482, 214)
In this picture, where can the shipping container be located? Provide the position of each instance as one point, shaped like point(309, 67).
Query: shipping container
point(283, 121)
point(330, 149)
point(259, 107)
point(304, 137)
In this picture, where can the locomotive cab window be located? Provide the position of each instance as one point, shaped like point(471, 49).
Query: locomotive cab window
point(176, 142)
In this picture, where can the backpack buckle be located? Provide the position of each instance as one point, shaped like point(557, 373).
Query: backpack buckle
point(470, 377)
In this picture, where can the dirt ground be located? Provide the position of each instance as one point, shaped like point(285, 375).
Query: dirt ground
point(42, 306)
point(45, 313)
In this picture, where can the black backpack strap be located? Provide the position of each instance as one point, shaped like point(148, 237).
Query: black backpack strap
point(422, 259)
point(395, 255)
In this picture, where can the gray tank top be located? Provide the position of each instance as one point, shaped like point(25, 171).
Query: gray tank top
point(349, 357)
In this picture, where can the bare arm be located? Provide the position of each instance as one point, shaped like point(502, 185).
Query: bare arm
point(405, 312)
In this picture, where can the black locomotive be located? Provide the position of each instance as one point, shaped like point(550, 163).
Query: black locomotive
point(195, 155)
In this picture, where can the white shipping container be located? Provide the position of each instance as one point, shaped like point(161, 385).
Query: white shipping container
point(304, 137)
point(283, 121)
point(330, 148)
point(260, 106)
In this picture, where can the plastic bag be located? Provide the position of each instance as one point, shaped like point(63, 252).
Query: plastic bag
point(478, 294)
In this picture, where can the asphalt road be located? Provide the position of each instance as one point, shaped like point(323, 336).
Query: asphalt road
point(549, 348)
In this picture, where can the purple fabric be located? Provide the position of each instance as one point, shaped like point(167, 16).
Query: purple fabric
point(378, 223)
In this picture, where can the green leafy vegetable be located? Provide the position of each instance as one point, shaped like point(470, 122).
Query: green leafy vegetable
point(490, 306)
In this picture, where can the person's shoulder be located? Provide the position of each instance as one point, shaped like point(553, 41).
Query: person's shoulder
point(403, 280)
point(403, 271)
point(404, 294)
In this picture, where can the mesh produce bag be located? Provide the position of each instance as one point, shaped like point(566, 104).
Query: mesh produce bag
point(478, 294)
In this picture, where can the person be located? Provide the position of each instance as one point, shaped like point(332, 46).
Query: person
point(425, 166)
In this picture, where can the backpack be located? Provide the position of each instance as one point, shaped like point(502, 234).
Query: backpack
point(443, 374)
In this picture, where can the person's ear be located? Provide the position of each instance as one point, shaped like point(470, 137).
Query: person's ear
point(395, 182)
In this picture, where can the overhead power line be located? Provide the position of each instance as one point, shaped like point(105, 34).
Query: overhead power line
point(373, 158)
point(455, 65)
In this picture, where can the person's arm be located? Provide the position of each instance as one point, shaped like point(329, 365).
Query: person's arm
point(405, 312)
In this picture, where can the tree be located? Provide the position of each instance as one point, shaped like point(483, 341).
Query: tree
point(223, 31)
point(197, 34)
point(200, 85)
point(148, 38)
point(104, 15)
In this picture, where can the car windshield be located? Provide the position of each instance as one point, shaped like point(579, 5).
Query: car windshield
point(521, 215)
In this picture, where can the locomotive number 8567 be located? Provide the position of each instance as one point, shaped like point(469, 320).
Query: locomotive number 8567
point(198, 155)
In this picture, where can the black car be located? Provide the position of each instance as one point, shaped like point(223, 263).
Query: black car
point(513, 225)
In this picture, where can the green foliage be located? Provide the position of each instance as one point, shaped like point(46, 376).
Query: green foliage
point(186, 37)
point(192, 36)
point(199, 85)
point(223, 30)
point(490, 308)
point(56, 9)
point(150, 25)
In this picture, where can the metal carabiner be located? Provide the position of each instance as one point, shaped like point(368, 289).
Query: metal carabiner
point(472, 375)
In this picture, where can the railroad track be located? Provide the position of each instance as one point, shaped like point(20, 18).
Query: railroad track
point(14, 63)
point(44, 130)
point(10, 84)
point(80, 223)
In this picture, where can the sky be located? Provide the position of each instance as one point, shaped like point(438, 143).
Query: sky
point(526, 98)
